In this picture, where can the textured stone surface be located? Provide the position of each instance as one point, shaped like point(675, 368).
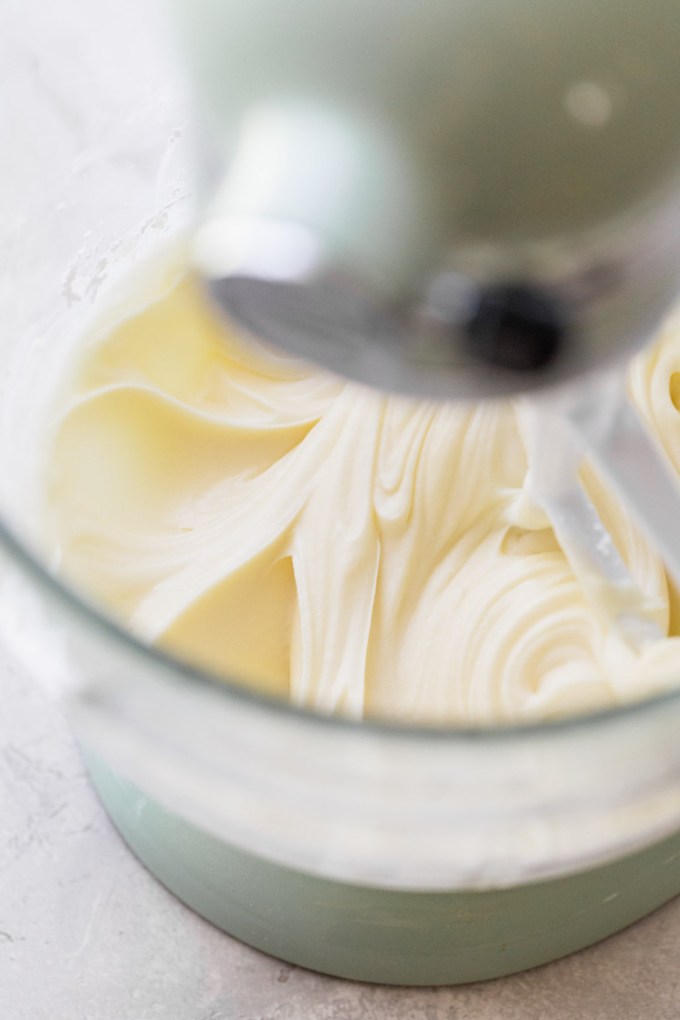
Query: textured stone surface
point(87, 934)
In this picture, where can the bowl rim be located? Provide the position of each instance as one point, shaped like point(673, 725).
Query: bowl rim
point(94, 616)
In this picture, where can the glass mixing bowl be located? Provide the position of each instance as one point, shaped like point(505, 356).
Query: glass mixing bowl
point(377, 852)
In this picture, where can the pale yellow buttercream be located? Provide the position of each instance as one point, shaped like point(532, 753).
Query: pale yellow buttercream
point(357, 553)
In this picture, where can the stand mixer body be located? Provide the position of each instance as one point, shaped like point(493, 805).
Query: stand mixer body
point(462, 200)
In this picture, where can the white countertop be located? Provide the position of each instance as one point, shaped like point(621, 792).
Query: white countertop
point(87, 934)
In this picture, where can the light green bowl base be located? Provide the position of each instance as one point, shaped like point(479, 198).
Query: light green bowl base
point(378, 935)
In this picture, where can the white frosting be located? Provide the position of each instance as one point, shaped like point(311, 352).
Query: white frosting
point(355, 552)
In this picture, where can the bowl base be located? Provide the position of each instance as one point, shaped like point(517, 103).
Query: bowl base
point(381, 935)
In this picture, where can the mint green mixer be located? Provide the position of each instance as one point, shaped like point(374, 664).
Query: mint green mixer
point(443, 198)
point(448, 199)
